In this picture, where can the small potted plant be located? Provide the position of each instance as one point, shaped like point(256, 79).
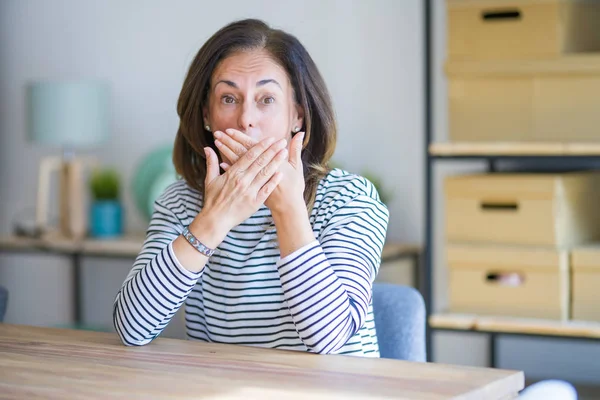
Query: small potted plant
point(106, 210)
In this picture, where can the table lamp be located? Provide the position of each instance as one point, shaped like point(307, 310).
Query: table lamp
point(70, 116)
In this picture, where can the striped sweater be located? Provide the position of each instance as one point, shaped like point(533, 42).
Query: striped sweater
point(317, 299)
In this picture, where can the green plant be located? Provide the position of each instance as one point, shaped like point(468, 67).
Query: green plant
point(384, 194)
point(105, 184)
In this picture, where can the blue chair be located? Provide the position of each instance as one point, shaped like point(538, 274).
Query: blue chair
point(399, 321)
point(3, 302)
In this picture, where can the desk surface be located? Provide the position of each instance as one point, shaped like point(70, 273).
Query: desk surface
point(130, 246)
point(55, 363)
point(524, 326)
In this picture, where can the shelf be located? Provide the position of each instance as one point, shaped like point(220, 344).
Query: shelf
point(520, 326)
point(130, 246)
point(484, 150)
point(126, 246)
point(574, 63)
point(392, 251)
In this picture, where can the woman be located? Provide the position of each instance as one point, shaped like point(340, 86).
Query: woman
point(275, 249)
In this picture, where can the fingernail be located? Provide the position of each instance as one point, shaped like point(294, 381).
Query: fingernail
point(218, 134)
point(230, 132)
point(218, 143)
point(223, 165)
point(206, 152)
point(301, 136)
point(283, 142)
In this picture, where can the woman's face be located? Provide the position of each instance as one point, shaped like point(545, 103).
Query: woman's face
point(252, 93)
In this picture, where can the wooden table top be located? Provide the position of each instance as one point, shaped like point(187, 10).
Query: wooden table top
point(525, 326)
point(56, 363)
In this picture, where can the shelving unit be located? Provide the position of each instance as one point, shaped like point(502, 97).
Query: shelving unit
point(495, 326)
point(123, 248)
point(562, 157)
point(565, 157)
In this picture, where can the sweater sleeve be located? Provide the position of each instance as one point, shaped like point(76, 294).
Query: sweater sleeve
point(158, 284)
point(328, 283)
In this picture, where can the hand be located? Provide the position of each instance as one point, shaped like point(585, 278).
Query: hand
point(290, 191)
point(232, 197)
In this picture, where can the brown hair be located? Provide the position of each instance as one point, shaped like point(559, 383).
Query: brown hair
point(309, 90)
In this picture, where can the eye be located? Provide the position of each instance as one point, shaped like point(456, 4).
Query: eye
point(268, 100)
point(228, 99)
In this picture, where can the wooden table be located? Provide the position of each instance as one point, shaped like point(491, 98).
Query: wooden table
point(58, 364)
point(130, 245)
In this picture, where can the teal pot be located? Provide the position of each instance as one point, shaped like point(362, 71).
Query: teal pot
point(106, 219)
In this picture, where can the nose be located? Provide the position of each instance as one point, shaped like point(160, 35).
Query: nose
point(247, 119)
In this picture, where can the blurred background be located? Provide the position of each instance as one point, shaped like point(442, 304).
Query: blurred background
point(371, 54)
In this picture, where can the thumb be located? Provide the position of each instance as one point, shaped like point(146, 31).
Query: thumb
point(212, 165)
point(296, 150)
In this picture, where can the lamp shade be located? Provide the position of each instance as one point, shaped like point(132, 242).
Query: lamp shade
point(68, 114)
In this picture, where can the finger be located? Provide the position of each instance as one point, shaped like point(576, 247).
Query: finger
point(296, 150)
point(251, 155)
point(238, 148)
point(226, 151)
point(261, 164)
point(268, 188)
point(241, 138)
point(212, 165)
point(270, 169)
point(224, 166)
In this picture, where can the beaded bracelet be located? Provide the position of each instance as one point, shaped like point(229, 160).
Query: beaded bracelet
point(193, 240)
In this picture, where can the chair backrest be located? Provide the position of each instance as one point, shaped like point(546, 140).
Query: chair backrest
point(399, 322)
point(3, 302)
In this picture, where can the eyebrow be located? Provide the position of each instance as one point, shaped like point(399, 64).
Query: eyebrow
point(266, 81)
point(258, 84)
point(228, 83)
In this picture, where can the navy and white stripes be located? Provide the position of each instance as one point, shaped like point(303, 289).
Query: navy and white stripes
point(316, 299)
